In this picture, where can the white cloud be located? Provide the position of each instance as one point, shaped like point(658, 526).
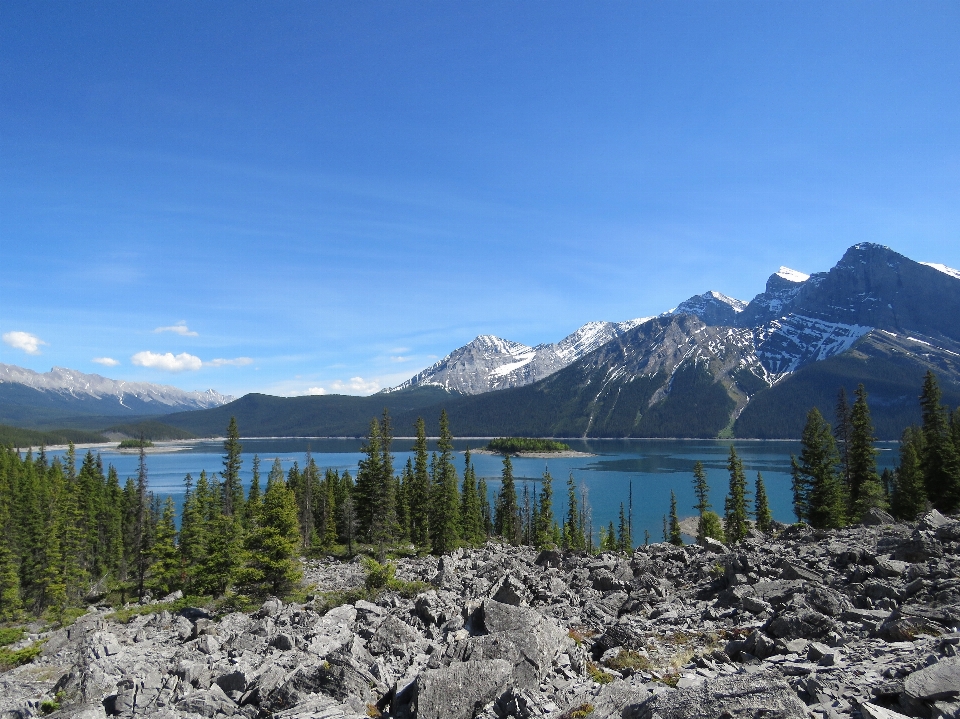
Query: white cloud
point(399, 359)
point(237, 362)
point(24, 341)
point(315, 391)
point(179, 329)
point(106, 361)
point(167, 362)
point(357, 385)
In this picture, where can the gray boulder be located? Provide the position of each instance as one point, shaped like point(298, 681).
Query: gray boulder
point(460, 690)
point(940, 681)
point(763, 694)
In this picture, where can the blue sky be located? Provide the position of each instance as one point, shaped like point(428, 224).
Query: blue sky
point(335, 194)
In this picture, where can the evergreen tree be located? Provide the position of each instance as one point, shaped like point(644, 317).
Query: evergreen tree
point(254, 503)
point(385, 526)
point(507, 520)
point(762, 508)
point(485, 509)
point(624, 539)
point(843, 434)
point(193, 539)
point(272, 565)
point(939, 461)
point(573, 527)
point(232, 487)
point(543, 533)
point(445, 519)
point(865, 491)
point(420, 491)
point(10, 602)
point(816, 473)
point(142, 538)
point(369, 476)
point(909, 497)
point(674, 535)
point(165, 573)
point(735, 525)
point(702, 490)
point(470, 510)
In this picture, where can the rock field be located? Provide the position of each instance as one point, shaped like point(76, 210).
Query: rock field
point(859, 622)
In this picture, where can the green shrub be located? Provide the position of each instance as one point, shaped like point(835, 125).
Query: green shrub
point(598, 675)
point(10, 635)
point(14, 658)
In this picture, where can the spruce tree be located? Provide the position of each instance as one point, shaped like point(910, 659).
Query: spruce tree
point(624, 540)
point(816, 472)
point(232, 487)
point(142, 527)
point(940, 461)
point(369, 476)
point(843, 434)
point(165, 570)
point(272, 566)
point(253, 505)
point(385, 526)
point(507, 520)
point(702, 490)
point(675, 535)
point(10, 602)
point(445, 519)
point(486, 512)
point(573, 527)
point(420, 491)
point(909, 497)
point(543, 532)
point(761, 507)
point(472, 519)
point(865, 491)
point(735, 524)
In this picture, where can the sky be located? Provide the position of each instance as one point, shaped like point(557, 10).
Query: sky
point(327, 197)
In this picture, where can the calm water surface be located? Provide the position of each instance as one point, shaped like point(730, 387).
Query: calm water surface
point(652, 467)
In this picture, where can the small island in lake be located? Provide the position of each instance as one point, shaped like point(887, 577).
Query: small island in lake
point(530, 447)
point(134, 443)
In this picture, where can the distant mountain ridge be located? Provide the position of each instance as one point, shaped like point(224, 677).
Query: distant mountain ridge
point(490, 363)
point(28, 398)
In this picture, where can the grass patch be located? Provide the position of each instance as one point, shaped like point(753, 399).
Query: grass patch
point(125, 615)
point(584, 710)
point(629, 660)
point(598, 675)
point(15, 658)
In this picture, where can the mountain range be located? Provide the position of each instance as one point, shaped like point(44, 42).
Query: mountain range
point(713, 366)
point(29, 398)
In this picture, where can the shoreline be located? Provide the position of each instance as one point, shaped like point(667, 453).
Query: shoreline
point(567, 453)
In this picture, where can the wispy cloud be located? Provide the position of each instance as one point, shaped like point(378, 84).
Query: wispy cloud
point(167, 362)
point(236, 362)
point(399, 359)
point(178, 329)
point(106, 361)
point(24, 341)
point(357, 385)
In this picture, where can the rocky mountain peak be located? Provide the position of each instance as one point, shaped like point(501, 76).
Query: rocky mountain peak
point(714, 308)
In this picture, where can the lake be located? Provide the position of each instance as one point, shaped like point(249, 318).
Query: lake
point(654, 467)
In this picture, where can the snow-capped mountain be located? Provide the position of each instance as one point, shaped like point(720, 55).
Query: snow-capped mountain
point(712, 307)
point(490, 363)
point(63, 391)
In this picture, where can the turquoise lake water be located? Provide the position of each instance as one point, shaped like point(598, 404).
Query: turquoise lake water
point(653, 467)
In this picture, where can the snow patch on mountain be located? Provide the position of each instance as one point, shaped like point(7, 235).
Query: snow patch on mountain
point(72, 383)
point(792, 275)
point(943, 268)
point(788, 343)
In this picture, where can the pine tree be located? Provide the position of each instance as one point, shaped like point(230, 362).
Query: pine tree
point(735, 525)
point(543, 533)
point(624, 540)
point(816, 474)
point(940, 461)
point(254, 503)
point(165, 571)
point(369, 476)
point(272, 565)
point(702, 490)
point(385, 526)
point(909, 497)
point(573, 527)
point(674, 535)
point(193, 526)
point(10, 602)
point(843, 434)
point(420, 492)
point(445, 519)
point(762, 508)
point(865, 491)
point(142, 527)
point(472, 520)
point(507, 519)
point(485, 510)
point(232, 487)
